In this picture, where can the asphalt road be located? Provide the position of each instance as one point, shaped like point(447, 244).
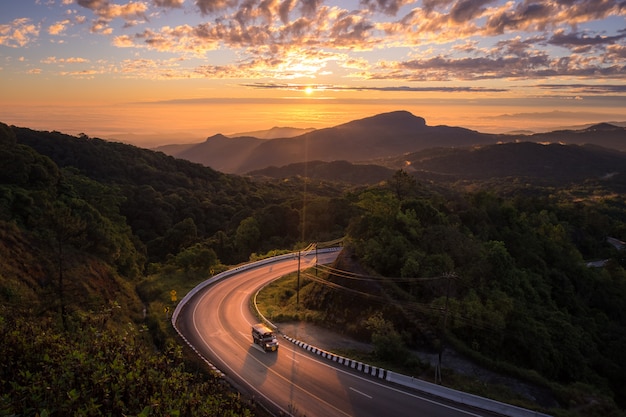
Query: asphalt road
point(217, 322)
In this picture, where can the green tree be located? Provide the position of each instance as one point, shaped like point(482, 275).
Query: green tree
point(197, 258)
point(64, 228)
point(403, 185)
point(388, 343)
point(247, 236)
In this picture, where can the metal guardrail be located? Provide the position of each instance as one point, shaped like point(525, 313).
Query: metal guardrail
point(219, 277)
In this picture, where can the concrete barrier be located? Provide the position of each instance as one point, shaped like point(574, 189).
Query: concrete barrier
point(439, 391)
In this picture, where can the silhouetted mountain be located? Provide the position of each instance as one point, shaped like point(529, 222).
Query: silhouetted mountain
point(379, 136)
point(221, 153)
point(274, 133)
point(386, 135)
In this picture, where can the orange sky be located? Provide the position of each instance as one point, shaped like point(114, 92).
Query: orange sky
point(152, 72)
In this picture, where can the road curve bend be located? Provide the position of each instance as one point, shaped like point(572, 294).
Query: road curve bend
point(215, 320)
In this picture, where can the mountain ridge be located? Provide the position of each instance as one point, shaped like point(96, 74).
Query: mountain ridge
point(382, 135)
point(274, 132)
point(385, 135)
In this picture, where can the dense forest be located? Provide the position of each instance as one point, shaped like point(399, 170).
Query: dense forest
point(505, 276)
point(95, 234)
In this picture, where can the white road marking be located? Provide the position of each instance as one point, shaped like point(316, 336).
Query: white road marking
point(362, 393)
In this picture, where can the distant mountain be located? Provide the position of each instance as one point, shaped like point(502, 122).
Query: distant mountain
point(386, 135)
point(552, 163)
point(604, 134)
point(383, 135)
point(274, 133)
point(219, 152)
point(587, 125)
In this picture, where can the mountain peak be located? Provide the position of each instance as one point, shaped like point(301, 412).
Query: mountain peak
point(400, 119)
point(218, 136)
point(602, 126)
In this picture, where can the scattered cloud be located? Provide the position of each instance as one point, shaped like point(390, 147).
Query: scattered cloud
point(378, 41)
point(18, 33)
point(58, 27)
point(132, 13)
point(266, 32)
point(72, 60)
point(88, 73)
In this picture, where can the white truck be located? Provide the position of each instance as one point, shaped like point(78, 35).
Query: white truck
point(264, 337)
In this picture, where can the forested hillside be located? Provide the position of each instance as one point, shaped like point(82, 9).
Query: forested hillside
point(94, 235)
point(503, 279)
point(170, 203)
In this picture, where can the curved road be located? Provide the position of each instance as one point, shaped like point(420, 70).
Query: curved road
point(217, 321)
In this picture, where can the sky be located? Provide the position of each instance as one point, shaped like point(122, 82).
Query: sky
point(154, 72)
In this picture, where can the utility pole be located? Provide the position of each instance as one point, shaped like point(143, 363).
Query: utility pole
point(448, 276)
point(298, 288)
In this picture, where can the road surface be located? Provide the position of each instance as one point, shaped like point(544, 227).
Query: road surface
point(217, 322)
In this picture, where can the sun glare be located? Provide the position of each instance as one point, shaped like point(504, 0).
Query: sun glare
point(308, 90)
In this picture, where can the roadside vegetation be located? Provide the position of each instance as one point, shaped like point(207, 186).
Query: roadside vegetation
point(501, 278)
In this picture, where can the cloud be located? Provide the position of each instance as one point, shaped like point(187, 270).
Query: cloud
point(284, 9)
point(250, 32)
point(350, 30)
point(289, 65)
point(169, 3)
point(389, 7)
point(325, 87)
point(431, 40)
point(467, 10)
point(541, 15)
point(89, 74)
point(535, 65)
point(72, 60)
point(214, 6)
point(131, 12)
point(58, 27)
point(581, 42)
point(586, 88)
point(310, 7)
point(18, 33)
point(126, 11)
point(93, 4)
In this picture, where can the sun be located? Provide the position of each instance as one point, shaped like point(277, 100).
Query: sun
point(308, 90)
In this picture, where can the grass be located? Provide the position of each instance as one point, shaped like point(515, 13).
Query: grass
point(278, 301)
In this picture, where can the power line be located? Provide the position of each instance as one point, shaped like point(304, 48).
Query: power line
point(374, 278)
point(408, 305)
